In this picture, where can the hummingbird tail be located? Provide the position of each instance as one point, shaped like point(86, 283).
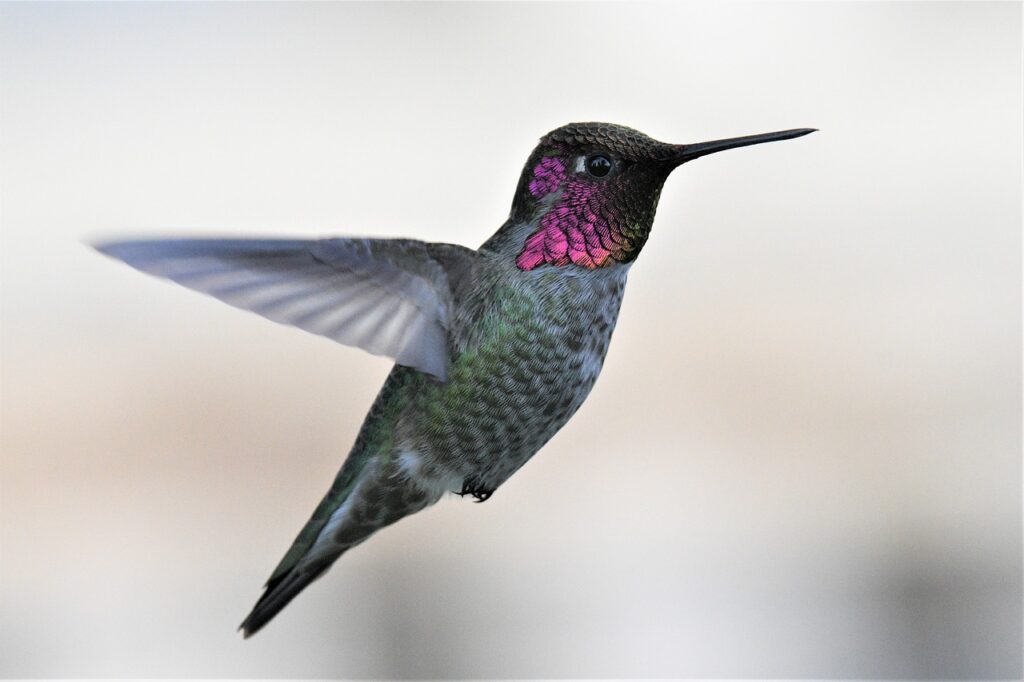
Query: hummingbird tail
point(278, 593)
point(381, 493)
point(298, 568)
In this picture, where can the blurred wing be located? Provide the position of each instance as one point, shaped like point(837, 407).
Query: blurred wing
point(388, 296)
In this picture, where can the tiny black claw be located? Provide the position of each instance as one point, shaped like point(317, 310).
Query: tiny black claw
point(479, 493)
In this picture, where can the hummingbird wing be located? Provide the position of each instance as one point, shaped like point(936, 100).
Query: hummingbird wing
point(390, 297)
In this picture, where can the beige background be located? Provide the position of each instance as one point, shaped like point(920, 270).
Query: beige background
point(803, 457)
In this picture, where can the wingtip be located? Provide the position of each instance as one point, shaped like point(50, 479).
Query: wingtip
point(119, 249)
point(101, 245)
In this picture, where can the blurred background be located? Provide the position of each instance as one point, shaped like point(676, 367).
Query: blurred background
point(818, 357)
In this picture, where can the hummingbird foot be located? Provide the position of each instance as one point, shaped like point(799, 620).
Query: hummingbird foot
point(472, 487)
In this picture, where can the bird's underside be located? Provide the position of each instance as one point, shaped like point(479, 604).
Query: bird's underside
point(511, 385)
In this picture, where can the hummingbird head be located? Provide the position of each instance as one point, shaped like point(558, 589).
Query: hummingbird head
point(589, 192)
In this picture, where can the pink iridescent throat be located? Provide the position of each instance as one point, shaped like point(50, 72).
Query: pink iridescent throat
point(575, 229)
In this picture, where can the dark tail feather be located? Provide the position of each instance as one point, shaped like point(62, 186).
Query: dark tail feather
point(277, 594)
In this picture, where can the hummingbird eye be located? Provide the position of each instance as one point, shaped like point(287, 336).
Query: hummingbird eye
point(598, 165)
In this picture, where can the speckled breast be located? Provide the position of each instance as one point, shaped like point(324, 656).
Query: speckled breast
point(531, 346)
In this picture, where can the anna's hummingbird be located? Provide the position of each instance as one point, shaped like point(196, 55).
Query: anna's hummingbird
point(495, 348)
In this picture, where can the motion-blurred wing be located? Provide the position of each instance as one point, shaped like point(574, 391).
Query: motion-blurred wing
point(390, 297)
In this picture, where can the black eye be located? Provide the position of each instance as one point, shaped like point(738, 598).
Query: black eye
point(599, 165)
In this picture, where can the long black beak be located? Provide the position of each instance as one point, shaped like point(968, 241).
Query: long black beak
point(689, 152)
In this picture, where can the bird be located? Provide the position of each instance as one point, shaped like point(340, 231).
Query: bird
point(495, 348)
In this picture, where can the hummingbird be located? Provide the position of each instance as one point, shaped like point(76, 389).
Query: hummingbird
point(495, 348)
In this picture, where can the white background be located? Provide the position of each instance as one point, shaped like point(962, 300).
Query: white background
point(803, 457)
